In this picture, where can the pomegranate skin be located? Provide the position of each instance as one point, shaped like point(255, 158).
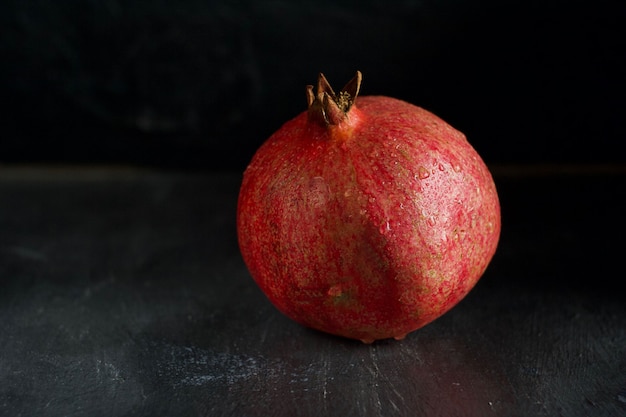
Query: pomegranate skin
point(369, 228)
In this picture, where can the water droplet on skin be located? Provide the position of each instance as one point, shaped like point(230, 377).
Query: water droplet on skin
point(431, 221)
point(423, 173)
point(441, 167)
point(384, 228)
point(457, 168)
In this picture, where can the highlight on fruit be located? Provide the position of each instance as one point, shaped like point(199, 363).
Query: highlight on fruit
point(366, 217)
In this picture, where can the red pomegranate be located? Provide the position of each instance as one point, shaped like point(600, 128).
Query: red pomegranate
point(366, 218)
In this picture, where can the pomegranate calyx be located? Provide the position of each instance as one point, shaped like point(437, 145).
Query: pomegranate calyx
point(326, 106)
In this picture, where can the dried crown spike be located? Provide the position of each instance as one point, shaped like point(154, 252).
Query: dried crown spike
point(328, 107)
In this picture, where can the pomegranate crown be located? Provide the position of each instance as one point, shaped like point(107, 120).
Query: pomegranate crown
point(330, 108)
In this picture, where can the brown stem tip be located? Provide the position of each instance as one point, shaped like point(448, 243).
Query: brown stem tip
point(327, 107)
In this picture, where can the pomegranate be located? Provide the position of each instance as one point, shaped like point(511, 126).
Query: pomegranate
point(366, 218)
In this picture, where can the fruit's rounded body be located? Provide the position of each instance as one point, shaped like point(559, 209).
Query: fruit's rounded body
point(369, 229)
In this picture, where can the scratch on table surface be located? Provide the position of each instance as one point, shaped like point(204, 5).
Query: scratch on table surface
point(27, 253)
point(266, 327)
point(325, 376)
point(97, 287)
point(374, 370)
point(109, 370)
point(378, 374)
point(194, 366)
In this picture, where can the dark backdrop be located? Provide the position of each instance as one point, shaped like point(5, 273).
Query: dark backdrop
point(200, 84)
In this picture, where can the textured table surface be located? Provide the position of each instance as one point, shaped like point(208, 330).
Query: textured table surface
point(124, 294)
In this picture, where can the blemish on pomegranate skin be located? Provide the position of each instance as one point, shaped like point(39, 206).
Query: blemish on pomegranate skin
point(335, 290)
point(318, 191)
point(423, 173)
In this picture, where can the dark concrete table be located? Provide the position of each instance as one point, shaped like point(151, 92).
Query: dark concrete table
point(124, 294)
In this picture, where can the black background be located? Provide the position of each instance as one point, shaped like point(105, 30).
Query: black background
point(201, 84)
